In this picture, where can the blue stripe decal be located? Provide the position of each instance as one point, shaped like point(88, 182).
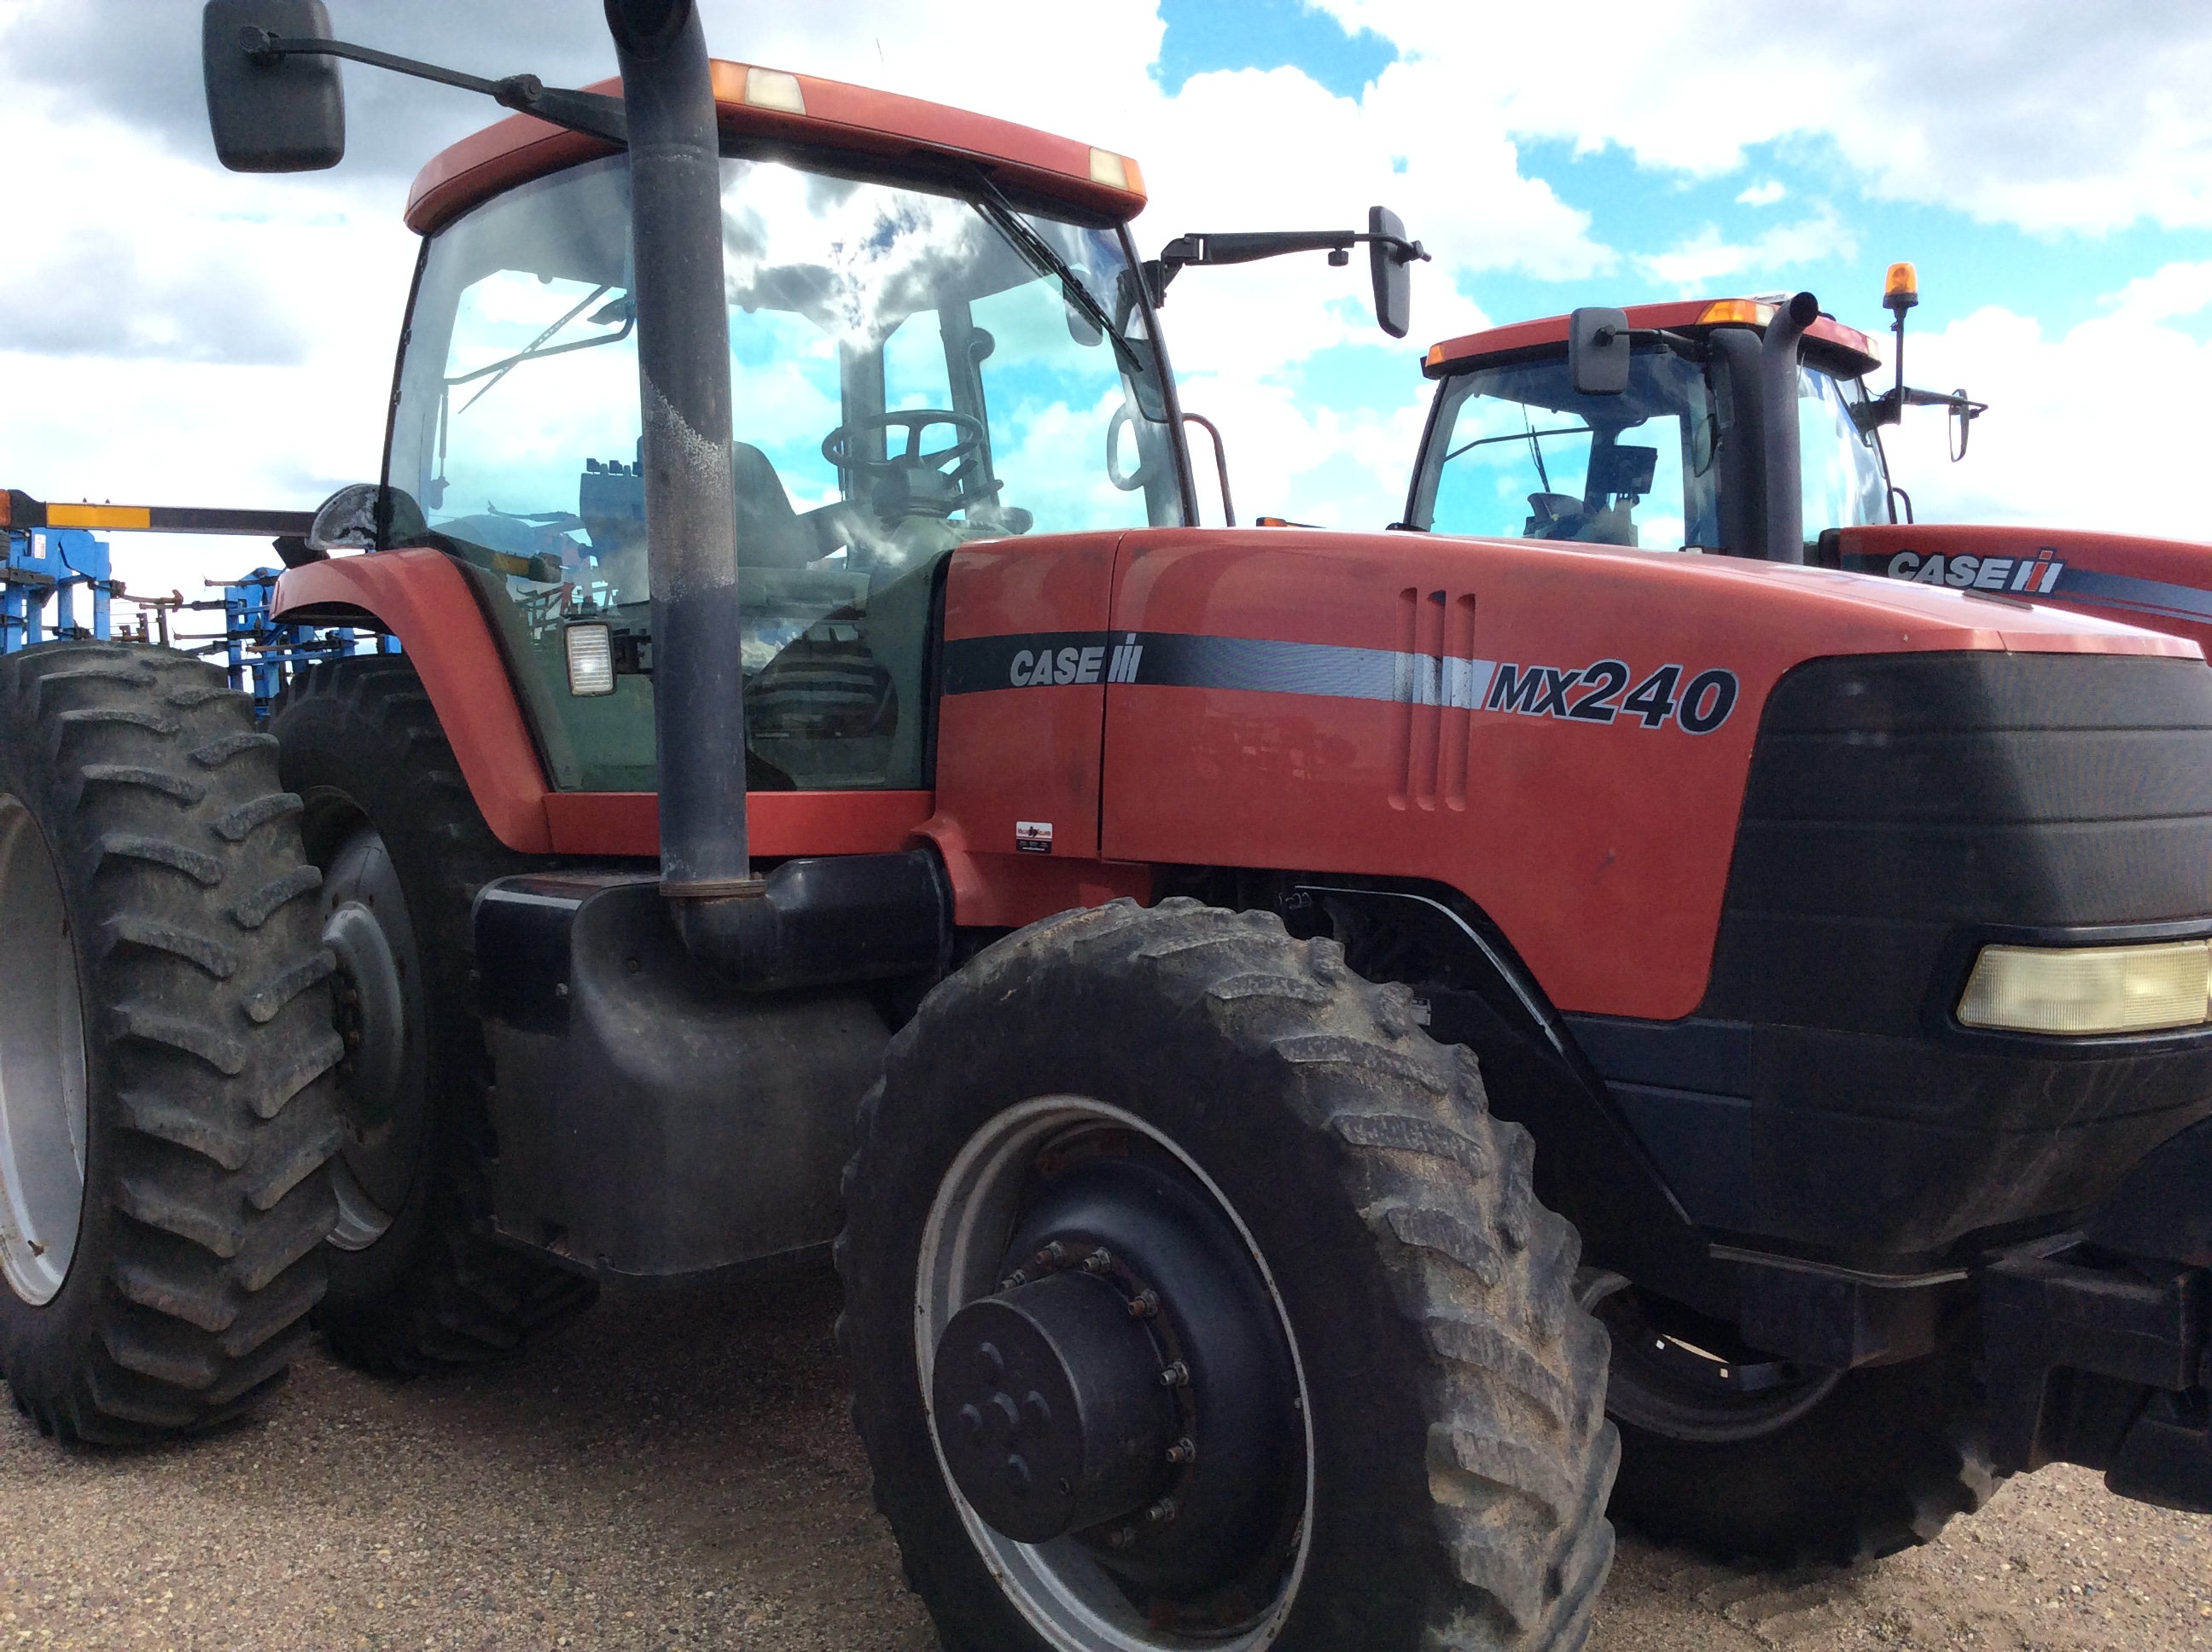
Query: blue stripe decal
point(2081, 583)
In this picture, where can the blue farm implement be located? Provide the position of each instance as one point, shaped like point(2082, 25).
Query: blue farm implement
point(56, 556)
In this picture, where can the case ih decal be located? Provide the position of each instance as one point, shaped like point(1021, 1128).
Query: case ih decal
point(1600, 692)
point(2033, 576)
point(2044, 574)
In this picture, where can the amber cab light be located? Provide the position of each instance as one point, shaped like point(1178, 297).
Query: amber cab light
point(1900, 288)
point(1749, 312)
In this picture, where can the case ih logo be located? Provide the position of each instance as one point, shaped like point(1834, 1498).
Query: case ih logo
point(2025, 576)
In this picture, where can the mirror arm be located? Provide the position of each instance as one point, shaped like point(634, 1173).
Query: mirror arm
point(1213, 250)
point(1888, 408)
point(1689, 348)
point(592, 114)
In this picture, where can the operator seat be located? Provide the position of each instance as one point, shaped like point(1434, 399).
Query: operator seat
point(770, 534)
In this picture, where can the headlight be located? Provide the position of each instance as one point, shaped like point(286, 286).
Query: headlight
point(591, 660)
point(2089, 989)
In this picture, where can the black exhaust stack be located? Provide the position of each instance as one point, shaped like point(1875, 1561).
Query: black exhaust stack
point(847, 918)
point(690, 504)
point(1785, 481)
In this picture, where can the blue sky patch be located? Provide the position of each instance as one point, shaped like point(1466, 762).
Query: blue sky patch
point(1203, 36)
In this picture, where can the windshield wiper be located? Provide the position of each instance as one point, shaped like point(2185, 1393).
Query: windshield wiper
point(531, 352)
point(1528, 436)
point(1047, 262)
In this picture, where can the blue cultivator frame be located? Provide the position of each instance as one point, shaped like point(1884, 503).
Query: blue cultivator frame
point(55, 556)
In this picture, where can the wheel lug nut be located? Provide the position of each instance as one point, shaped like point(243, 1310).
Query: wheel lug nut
point(1160, 1512)
point(1144, 1304)
point(1098, 1261)
point(1176, 1375)
point(1183, 1450)
point(1052, 1255)
point(1124, 1537)
point(1018, 1277)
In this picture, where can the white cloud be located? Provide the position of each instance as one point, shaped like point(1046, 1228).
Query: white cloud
point(2099, 427)
point(179, 335)
point(2046, 113)
point(2176, 290)
point(1705, 257)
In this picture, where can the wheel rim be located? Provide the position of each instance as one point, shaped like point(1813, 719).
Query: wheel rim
point(1059, 1586)
point(1685, 1381)
point(378, 992)
point(43, 1116)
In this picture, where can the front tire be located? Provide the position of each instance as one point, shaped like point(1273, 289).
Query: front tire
point(165, 1113)
point(1445, 1462)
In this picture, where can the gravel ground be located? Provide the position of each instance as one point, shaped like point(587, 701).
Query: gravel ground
point(676, 1471)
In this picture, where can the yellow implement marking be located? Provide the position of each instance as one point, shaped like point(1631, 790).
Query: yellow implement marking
point(99, 516)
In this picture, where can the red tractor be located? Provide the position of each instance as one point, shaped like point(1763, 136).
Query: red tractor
point(1270, 1011)
point(1483, 456)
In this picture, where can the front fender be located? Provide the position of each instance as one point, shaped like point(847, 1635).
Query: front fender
point(424, 600)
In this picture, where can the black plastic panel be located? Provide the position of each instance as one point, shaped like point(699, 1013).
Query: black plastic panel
point(1901, 811)
point(652, 1119)
point(1895, 799)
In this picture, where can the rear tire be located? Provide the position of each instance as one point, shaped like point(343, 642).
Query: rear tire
point(165, 1002)
point(1458, 1459)
point(418, 1282)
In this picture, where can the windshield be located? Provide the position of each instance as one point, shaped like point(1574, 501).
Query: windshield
point(1841, 466)
point(907, 376)
point(1516, 453)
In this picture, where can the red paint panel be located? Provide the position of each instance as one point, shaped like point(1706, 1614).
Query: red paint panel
point(426, 602)
point(1602, 849)
point(1551, 330)
point(1024, 754)
point(838, 117)
point(778, 824)
point(2183, 568)
point(1005, 891)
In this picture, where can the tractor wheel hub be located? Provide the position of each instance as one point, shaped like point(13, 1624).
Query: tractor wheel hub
point(1051, 1411)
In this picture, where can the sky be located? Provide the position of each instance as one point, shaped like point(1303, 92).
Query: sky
point(174, 334)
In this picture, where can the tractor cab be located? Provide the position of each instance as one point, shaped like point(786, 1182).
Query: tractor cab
point(1671, 462)
point(930, 343)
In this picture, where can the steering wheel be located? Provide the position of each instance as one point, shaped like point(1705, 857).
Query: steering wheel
point(913, 482)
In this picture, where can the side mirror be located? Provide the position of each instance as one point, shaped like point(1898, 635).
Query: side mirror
point(347, 520)
point(1598, 352)
point(1392, 267)
point(271, 113)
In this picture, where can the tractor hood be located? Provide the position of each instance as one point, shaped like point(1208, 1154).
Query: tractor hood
point(2163, 584)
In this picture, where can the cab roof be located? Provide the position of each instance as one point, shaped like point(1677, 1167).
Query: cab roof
point(798, 113)
point(1456, 354)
